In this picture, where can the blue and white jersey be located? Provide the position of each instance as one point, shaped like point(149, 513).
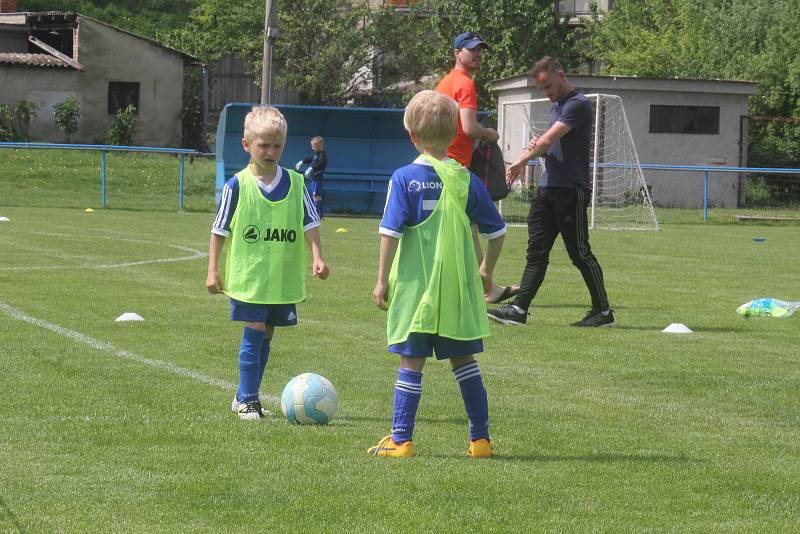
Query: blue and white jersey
point(274, 192)
point(414, 191)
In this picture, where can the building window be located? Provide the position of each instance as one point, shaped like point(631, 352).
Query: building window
point(684, 119)
point(122, 95)
point(573, 6)
point(61, 39)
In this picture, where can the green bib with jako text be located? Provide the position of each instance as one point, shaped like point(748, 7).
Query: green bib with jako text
point(434, 284)
point(266, 249)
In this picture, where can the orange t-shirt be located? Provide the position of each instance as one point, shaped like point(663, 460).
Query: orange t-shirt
point(460, 87)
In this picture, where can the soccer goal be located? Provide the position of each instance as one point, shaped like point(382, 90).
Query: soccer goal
point(620, 200)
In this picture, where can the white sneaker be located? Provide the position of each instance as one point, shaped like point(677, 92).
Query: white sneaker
point(241, 409)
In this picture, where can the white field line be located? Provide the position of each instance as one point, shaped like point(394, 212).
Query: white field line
point(195, 254)
point(107, 347)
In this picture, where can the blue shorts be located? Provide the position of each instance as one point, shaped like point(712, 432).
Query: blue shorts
point(316, 188)
point(271, 314)
point(423, 345)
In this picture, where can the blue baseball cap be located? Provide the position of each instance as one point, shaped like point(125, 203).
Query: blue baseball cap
point(469, 40)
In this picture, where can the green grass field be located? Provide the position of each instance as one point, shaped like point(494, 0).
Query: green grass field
point(125, 427)
point(135, 181)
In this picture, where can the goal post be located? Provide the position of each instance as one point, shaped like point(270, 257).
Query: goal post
point(620, 196)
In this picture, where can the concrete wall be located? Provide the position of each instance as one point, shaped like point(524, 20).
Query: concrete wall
point(669, 188)
point(108, 55)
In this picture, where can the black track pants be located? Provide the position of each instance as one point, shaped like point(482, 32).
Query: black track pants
point(560, 210)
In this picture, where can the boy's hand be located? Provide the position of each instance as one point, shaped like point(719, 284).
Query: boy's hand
point(379, 295)
point(214, 284)
point(320, 269)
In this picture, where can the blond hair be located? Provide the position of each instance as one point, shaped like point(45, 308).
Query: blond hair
point(318, 139)
point(432, 118)
point(264, 120)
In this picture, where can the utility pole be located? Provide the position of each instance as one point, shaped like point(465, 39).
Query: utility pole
point(270, 34)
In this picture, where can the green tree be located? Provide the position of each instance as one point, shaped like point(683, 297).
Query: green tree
point(145, 17)
point(518, 33)
point(24, 117)
point(66, 114)
point(729, 39)
point(122, 128)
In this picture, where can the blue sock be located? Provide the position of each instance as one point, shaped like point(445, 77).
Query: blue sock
point(407, 391)
point(249, 364)
point(263, 359)
point(475, 401)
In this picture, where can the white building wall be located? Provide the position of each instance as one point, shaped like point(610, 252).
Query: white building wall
point(108, 55)
point(669, 188)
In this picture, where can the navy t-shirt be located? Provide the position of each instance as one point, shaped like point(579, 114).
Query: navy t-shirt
point(567, 160)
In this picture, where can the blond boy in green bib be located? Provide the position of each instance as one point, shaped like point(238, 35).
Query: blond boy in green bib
point(265, 214)
point(428, 276)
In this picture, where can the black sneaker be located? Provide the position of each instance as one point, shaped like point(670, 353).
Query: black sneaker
point(507, 314)
point(597, 318)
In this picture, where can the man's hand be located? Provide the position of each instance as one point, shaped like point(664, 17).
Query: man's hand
point(513, 171)
point(298, 165)
point(488, 282)
point(379, 295)
point(532, 143)
point(491, 135)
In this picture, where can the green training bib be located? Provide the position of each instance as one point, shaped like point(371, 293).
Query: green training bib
point(266, 250)
point(434, 284)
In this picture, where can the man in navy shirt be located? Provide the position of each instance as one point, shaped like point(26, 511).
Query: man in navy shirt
point(562, 197)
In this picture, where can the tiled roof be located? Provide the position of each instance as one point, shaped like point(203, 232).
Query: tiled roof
point(35, 60)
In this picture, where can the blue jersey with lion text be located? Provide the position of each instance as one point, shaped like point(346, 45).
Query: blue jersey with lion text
point(414, 191)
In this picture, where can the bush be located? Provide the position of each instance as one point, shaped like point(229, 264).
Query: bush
point(67, 113)
point(24, 115)
point(6, 123)
point(122, 127)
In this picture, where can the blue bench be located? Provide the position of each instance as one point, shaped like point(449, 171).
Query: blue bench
point(364, 146)
point(346, 187)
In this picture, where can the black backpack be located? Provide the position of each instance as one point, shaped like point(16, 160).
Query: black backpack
point(488, 165)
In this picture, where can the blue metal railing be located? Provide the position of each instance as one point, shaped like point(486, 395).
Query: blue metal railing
point(104, 149)
point(705, 169)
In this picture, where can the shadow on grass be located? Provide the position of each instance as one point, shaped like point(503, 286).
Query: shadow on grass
point(349, 420)
point(700, 330)
point(600, 458)
point(5, 510)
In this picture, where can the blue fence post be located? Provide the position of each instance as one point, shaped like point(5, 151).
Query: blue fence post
point(705, 196)
point(180, 187)
point(103, 178)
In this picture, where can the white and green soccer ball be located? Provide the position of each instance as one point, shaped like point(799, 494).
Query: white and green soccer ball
point(309, 399)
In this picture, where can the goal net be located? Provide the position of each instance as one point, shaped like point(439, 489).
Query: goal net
point(620, 200)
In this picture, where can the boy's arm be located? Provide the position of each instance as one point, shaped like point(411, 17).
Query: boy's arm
point(213, 281)
point(476, 240)
point(318, 265)
point(386, 258)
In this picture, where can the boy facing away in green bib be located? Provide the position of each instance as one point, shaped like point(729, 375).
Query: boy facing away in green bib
point(264, 214)
point(429, 280)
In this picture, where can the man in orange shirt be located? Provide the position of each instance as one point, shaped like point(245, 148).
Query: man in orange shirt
point(468, 49)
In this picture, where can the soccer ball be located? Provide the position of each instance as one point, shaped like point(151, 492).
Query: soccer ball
point(309, 399)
